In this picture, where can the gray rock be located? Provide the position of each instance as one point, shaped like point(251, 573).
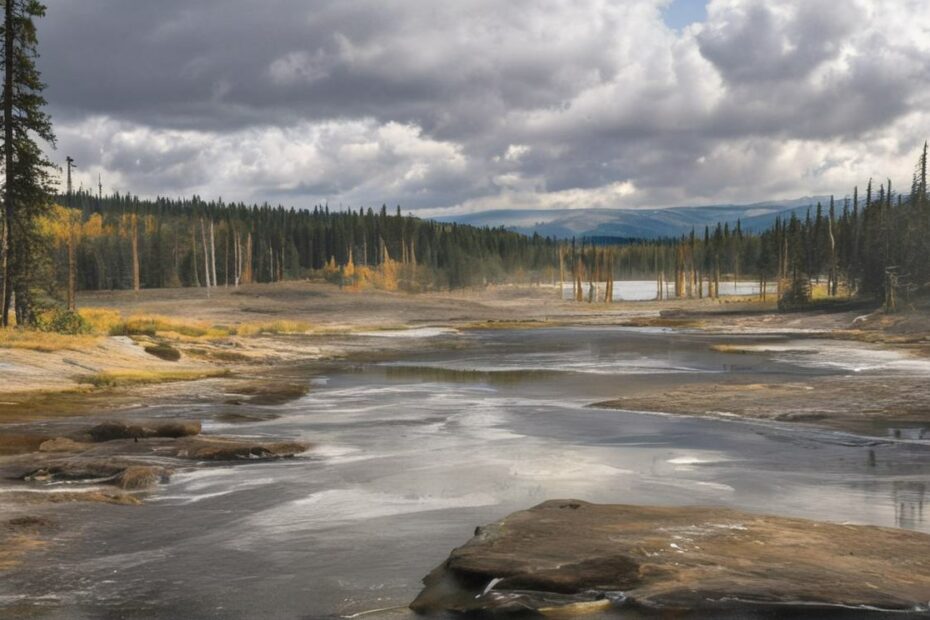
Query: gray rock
point(574, 555)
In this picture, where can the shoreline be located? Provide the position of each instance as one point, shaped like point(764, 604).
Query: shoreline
point(116, 370)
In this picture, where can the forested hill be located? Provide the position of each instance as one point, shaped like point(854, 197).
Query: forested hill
point(122, 241)
point(659, 223)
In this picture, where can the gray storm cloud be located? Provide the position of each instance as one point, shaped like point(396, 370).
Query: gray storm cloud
point(477, 104)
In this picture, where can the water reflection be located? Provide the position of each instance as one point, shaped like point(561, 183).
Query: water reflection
point(913, 433)
point(908, 498)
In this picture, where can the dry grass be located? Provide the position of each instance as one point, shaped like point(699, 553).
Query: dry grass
point(124, 378)
point(151, 325)
point(45, 342)
point(106, 321)
point(271, 328)
point(101, 320)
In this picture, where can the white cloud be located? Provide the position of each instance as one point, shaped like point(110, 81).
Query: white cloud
point(357, 162)
point(481, 104)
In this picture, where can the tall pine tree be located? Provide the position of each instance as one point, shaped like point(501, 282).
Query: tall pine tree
point(28, 182)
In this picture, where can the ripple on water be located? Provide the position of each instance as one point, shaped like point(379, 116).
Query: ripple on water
point(338, 507)
point(853, 357)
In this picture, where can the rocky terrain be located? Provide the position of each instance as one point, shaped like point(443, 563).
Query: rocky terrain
point(571, 556)
point(114, 462)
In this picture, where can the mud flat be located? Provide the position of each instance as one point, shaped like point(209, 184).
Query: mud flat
point(862, 405)
point(569, 556)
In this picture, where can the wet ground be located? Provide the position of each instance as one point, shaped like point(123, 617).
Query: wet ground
point(414, 451)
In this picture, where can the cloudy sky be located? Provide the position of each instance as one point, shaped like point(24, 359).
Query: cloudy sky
point(461, 105)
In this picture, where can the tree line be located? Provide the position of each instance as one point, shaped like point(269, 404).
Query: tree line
point(872, 244)
point(121, 241)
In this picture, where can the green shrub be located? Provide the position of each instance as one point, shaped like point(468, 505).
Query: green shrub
point(62, 321)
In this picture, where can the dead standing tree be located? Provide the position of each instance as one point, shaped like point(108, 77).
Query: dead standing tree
point(72, 239)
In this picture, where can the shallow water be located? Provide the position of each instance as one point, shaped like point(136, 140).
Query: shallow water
point(412, 453)
point(645, 290)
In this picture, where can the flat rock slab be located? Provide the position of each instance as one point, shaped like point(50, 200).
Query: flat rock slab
point(571, 554)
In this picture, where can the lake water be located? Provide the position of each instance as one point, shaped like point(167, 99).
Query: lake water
point(412, 453)
point(645, 290)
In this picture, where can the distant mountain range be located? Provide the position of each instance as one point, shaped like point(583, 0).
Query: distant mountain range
point(636, 223)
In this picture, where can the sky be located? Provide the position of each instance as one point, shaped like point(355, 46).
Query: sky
point(468, 105)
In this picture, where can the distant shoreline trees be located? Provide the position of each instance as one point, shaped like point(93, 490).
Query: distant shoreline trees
point(124, 242)
point(871, 245)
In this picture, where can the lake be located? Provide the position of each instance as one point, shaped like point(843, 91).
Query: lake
point(645, 290)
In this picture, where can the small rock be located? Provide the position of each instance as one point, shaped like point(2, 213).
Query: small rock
point(139, 477)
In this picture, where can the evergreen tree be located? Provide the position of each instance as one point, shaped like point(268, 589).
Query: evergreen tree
point(27, 172)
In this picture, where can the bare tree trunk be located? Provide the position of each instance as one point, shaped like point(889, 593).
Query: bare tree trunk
point(609, 297)
point(226, 261)
point(659, 295)
point(689, 278)
point(832, 284)
point(194, 259)
point(237, 250)
point(694, 277)
point(9, 38)
point(579, 287)
point(247, 269)
point(134, 232)
point(206, 255)
point(72, 266)
point(212, 256)
point(574, 274)
point(561, 271)
point(594, 291)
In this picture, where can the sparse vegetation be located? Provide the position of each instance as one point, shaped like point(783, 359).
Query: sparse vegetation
point(124, 378)
point(271, 328)
point(45, 342)
point(153, 325)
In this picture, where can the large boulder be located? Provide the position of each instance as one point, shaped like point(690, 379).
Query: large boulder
point(569, 554)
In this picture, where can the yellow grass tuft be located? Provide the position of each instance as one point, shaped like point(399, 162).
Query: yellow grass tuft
point(271, 328)
point(151, 325)
point(46, 342)
point(122, 378)
point(101, 320)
